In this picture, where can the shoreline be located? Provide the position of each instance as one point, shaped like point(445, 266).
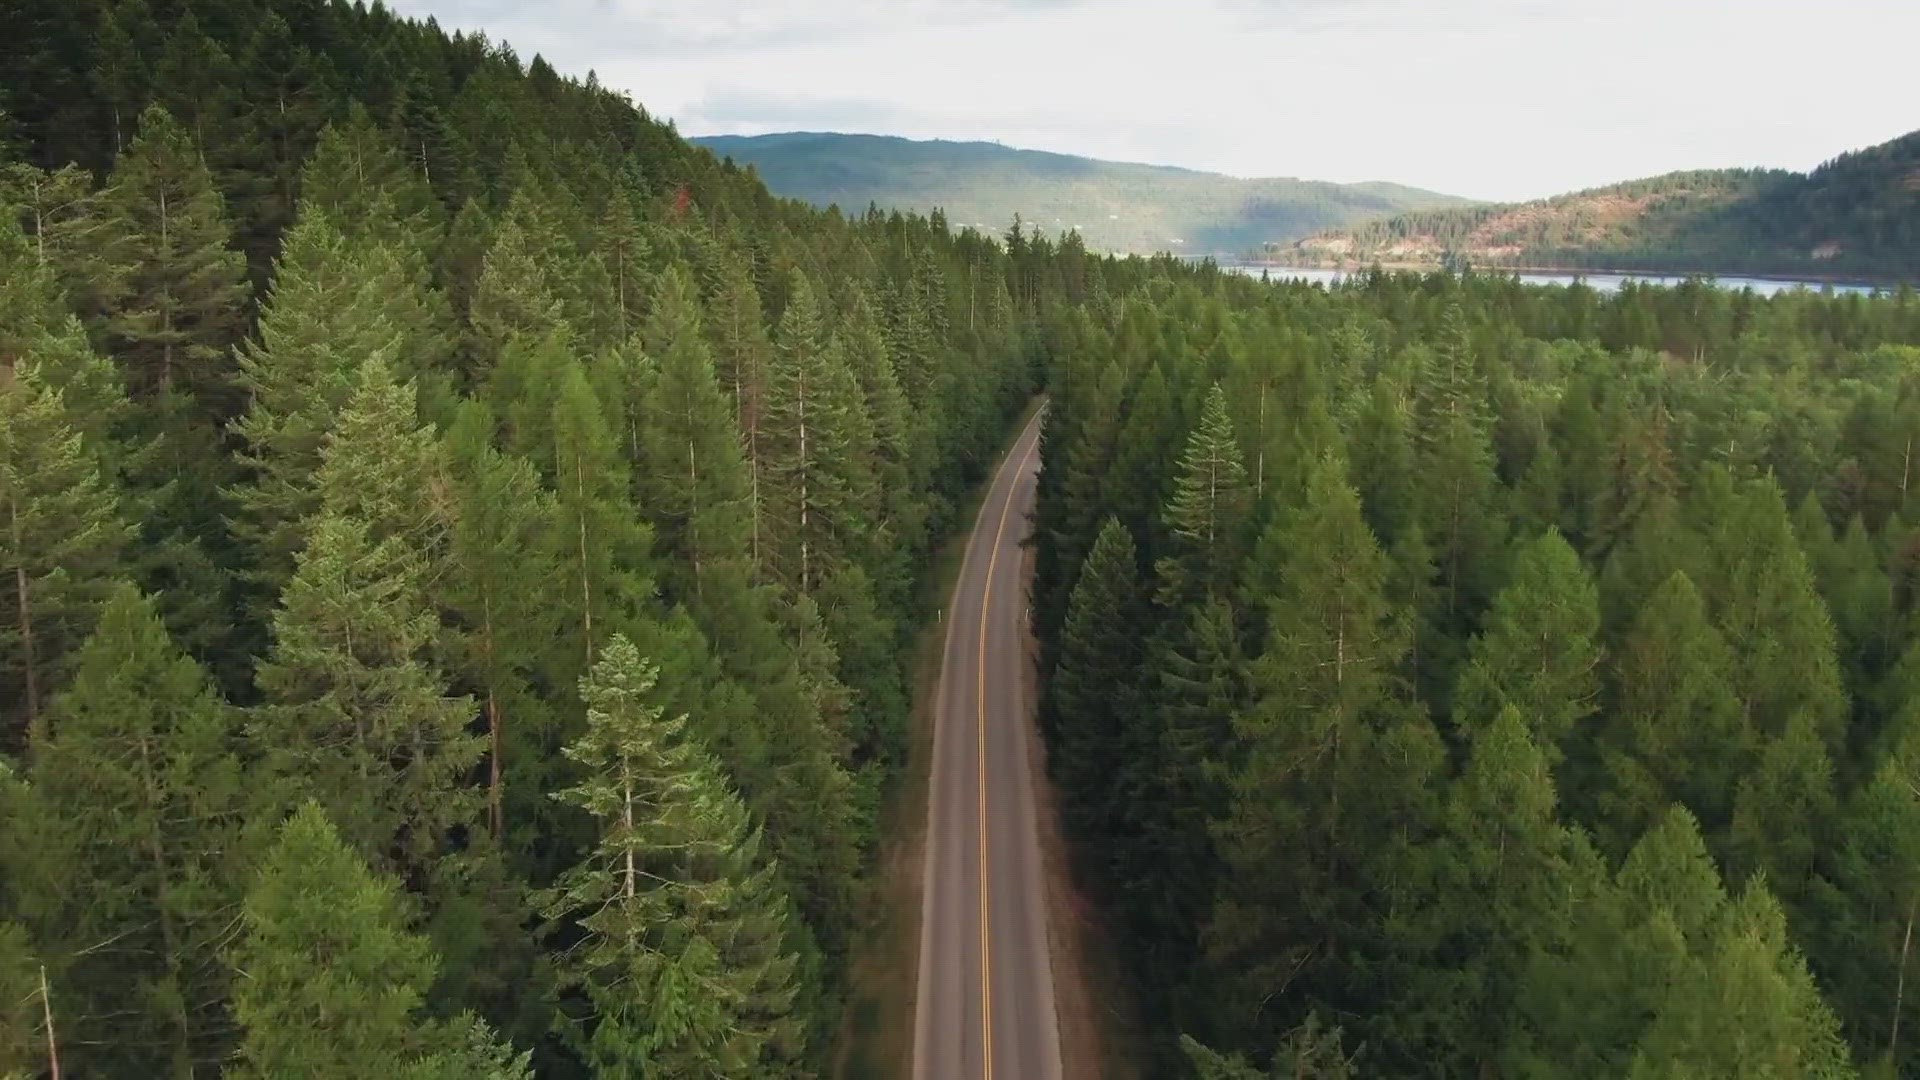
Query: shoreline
point(1428, 267)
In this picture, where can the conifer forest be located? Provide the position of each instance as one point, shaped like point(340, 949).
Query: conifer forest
point(462, 548)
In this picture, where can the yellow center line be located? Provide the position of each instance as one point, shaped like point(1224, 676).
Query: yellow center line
point(980, 706)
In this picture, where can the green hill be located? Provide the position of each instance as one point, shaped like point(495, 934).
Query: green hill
point(1115, 206)
point(1858, 215)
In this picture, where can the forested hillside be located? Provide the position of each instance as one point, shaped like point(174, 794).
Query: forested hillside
point(1115, 206)
point(1450, 677)
point(1857, 215)
point(460, 545)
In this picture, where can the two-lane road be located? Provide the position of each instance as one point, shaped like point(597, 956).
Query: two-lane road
point(986, 1006)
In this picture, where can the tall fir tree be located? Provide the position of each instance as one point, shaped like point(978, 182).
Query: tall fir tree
point(691, 479)
point(818, 443)
point(142, 796)
point(742, 355)
point(604, 544)
point(335, 304)
point(1333, 766)
point(331, 977)
point(681, 959)
point(1209, 512)
point(500, 562)
point(1540, 651)
point(60, 551)
point(177, 299)
point(356, 714)
point(1094, 696)
point(1675, 733)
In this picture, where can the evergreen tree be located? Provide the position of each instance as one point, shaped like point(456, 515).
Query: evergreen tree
point(330, 974)
point(1202, 687)
point(1676, 734)
point(141, 791)
point(681, 960)
point(603, 543)
point(692, 480)
point(1747, 1008)
point(899, 525)
point(1866, 933)
point(355, 715)
point(514, 294)
point(59, 553)
point(37, 330)
point(1509, 880)
point(177, 300)
point(500, 563)
point(24, 1040)
point(1208, 513)
point(335, 304)
point(819, 449)
point(1331, 794)
point(1311, 1052)
point(1094, 696)
point(742, 355)
point(1764, 599)
point(1539, 652)
point(367, 188)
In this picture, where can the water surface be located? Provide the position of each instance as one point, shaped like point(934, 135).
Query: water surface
point(1596, 281)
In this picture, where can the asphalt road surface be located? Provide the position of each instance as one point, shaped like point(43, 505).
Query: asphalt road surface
point(985, 1007)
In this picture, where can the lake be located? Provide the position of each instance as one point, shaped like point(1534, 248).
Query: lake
point(1596, 281)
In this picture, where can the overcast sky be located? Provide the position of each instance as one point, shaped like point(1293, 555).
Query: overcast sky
point(1486, 98)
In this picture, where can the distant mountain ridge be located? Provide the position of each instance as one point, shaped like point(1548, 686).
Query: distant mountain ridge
point(1116, 206)
point(1855, 216)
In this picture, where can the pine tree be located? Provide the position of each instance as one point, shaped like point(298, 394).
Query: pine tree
point(1209, 512)
point(898, 477)
point(142, 789)
point(355, 714)
point(329, 973)
point(1783, 808)
point(70, 234)
point(818, 444)
point(59, 551)
point(682, 961)
point(128, 39)
point(1764, 600)
point(37, 330)
point(1586, 1006)
point(1508, 881)
point(1202, 687)
point(514, 294)
point(366, 186)
point(1331, 791)
point(742, 355)
point(1311, 1052)
point(621, 243)
point(1866, 940)
point(1676, 734)
point(500, 563)
point(603, 544)
point(1093, 694)
point(692, 480)
point(23, 1038)
point(1539, 651)
point(382, 466)
point(1136, 488)
point(1748, 1007)
point(335, 304)
point(178, 301)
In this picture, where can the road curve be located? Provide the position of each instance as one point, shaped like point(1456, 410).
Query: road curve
point(985, 1007)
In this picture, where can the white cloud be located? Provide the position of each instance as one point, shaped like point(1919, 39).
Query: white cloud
point(1493, 98)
